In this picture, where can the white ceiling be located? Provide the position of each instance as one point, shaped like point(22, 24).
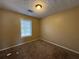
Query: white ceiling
point(49, 6)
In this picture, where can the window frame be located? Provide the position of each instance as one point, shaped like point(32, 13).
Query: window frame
point(21, 27)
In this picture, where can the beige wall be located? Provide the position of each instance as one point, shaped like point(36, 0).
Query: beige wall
point(10, 28)
point(62, 28)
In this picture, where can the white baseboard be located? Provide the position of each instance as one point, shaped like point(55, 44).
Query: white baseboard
point(61, 46)
point(18, 44)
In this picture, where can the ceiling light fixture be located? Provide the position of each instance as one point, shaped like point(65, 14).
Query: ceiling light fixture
point(38, 6)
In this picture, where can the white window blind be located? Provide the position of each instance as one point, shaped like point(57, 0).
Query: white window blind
point(26, 28)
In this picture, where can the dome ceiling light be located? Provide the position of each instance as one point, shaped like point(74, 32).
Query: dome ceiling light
point(38, 6)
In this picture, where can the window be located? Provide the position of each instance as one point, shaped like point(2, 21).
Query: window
point(26, 28)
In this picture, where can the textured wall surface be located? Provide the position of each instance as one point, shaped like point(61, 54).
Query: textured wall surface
point(10, 28)
point(62, 28)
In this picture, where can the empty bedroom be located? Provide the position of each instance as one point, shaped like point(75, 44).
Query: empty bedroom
point(39, 29)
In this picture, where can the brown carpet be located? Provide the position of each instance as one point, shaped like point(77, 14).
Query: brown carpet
point(38, 50)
